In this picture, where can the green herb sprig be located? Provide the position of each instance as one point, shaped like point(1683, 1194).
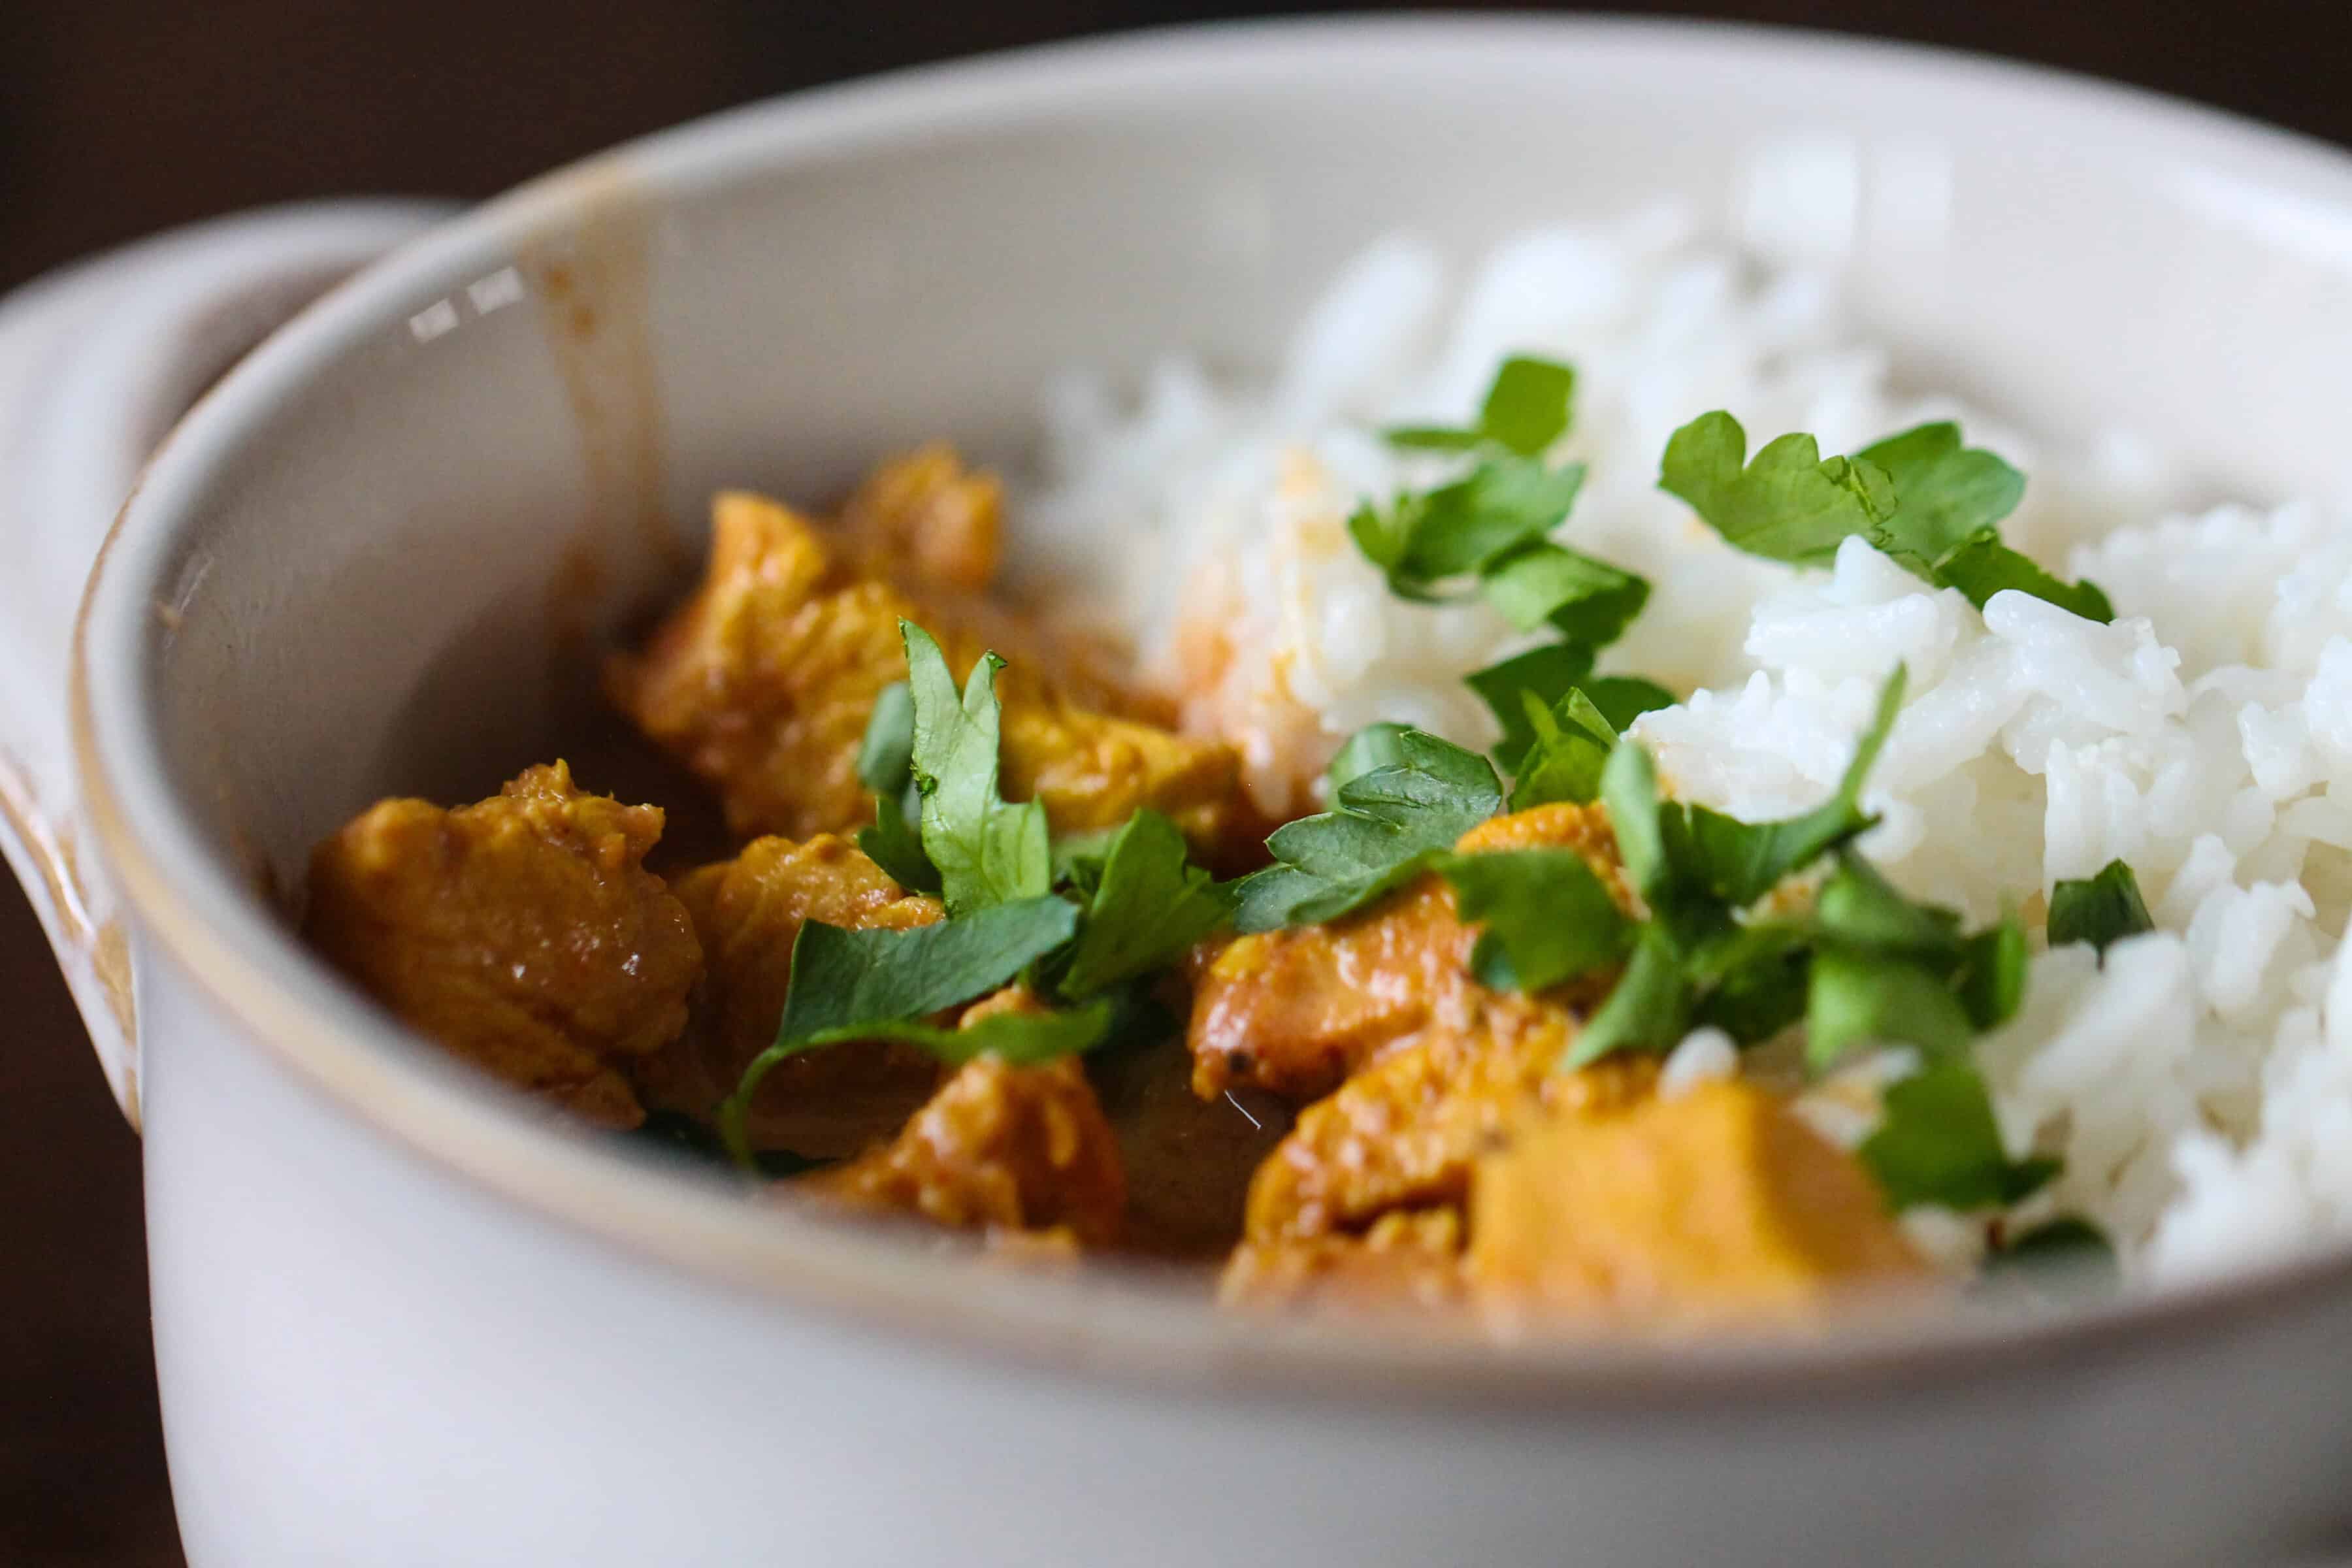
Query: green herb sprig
point(1923, 498)
point(1132, 903)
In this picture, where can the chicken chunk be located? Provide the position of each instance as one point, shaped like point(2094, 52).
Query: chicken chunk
point(827, 1104)
point(1406, 1131)
point(944, 522)
point(999, 1148)
point(763, 682)
point(524, 933)
point(1716, 1208)
point(1296, 1011)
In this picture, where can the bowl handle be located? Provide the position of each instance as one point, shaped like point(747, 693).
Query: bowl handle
point(96, 362)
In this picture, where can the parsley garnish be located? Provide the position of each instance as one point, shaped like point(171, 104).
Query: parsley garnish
point(1374, 746)
point(2100, 909)
point(1939, 1144)
point(1495, 520)
point(988, 851)
point(1924, 499)
point(1147, 908)
point(1699, 870)
point(1571, 744)
point(1547, 917)
point(1386, 826)
point(863, 984)
point(1139, 902)
point(886, 764)
point(1526, 409)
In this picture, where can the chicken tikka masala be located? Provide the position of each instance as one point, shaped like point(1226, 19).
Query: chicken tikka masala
point(1004, 948)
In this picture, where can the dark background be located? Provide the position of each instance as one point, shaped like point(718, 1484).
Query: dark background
point(120, 117)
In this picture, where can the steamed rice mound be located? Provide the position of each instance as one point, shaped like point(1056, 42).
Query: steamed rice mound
point(2198, 1082)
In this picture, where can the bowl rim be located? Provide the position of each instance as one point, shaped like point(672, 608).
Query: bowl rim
point(1101, 1321)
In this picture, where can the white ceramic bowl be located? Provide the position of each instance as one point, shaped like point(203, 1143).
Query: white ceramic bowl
point(401, 1318)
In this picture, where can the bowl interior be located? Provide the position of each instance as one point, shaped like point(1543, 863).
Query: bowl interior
point(390, 543)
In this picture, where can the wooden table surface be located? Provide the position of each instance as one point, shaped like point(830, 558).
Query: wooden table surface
point(118, 117)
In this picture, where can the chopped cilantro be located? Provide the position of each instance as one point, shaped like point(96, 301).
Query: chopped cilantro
point(886, 759)
point(1150, 905)
point(1697, 870)
point(1738, 862)
point(1939, 1144)
point(1649, 1010)
point(1950, 499)
point(1589, 602)
point(1078, 858)
point(1547, 917)
point(1374, 746)
point(1547, 673)
point(1572, 743)
point(1856, 996)
point(1387, 826)
point(2099, 909)
point(866, 985)
point(987, 852)
point(843, 977)
point(1753, 980)
point(1789, 504)
point(1527, 408)
point(1426, 538)
point(1621, 699)
point(1928, 501)
point(1991, 983)
point(1945, 493)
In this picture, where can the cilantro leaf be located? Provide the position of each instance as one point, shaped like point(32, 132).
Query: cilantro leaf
point(894, 843)
point(1078, 857)
point(1650, 1009)
point(1378, 745)
point(1150, 905)
point(1949, 499)
point(1386, 827)
point(1571, 745)
point(1753, 980)
point(869, 984)
point(1921, 496)
point(1945, 493)
point(1526, 409)
point(1738, 862)
point(885, 756)
point(1458, 528)
point(2099, 909)
point(1548, 917)
point(1855, 997)
point(1789, 504)
point(1621, 699)
point(1589, 602)
point(1991, 982)
point(1629, 790)
point(1984, 566)
point(1859, 908)
point(988, 851)
point(1547, 673)
point(886, 765)
point(1432, 439)
point(842, 977)
point(1529, 406)
point(1939, 1143)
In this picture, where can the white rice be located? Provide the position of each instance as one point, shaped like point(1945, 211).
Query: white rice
point(2200, 1084)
